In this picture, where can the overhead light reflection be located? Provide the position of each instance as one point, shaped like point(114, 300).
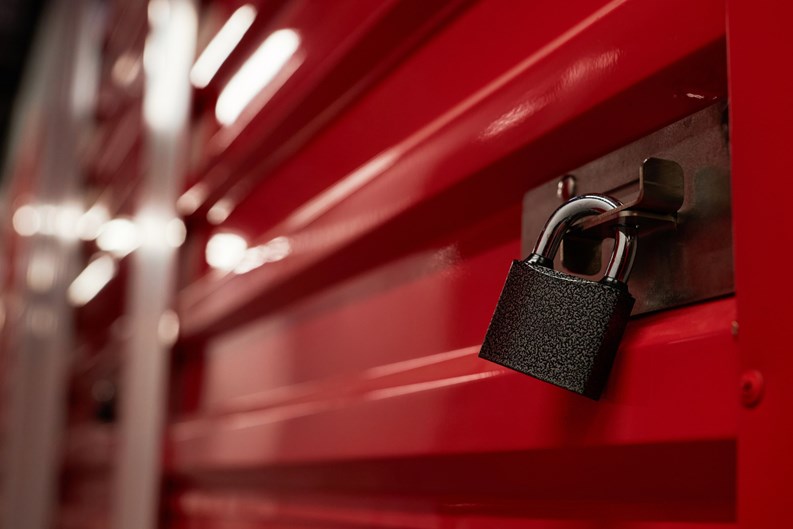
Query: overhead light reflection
point(49, 219)
point(92, 280)
point(220, 211)
point(119, 237)
point(26, 220)
point(46, 219)
point(224, 251)
point(257, 72)
point(171, 40)
point(221, 46)
point(270, 252)
point(191, 199)
point(66, 219)
point(230, 253)
point(175, 233)
point(90, 223)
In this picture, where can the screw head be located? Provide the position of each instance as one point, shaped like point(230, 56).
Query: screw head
point(751, 388)
point(565, 189)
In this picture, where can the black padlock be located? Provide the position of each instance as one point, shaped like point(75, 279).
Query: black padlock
point(557, 327)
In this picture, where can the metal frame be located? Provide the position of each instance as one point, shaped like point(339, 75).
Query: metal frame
point(38, 330)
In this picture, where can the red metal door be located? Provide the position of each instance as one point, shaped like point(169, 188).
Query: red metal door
point(348, 232)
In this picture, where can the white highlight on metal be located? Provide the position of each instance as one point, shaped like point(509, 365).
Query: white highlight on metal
point(220, 211)
point(257, 72)
point(407, 389)
point(221, 46)
point(165, 105)
point(335, 194)
point(119, 237)
point(191, 199)
point(229, 252)
point(90, 223)
point(224, 251)
point(92, 280)
point(26, 220)
point(175, 233)
point(65, 221)
point(269, 252)
point(47, 219)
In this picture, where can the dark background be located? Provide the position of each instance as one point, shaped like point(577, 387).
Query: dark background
point(18, 19)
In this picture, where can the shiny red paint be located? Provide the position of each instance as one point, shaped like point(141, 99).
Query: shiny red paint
point(341, 386)
point(514, 132)
point(759, 42)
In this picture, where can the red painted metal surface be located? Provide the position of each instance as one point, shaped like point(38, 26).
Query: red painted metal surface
point(512, 132)
point(339, 387)
point(760, 122)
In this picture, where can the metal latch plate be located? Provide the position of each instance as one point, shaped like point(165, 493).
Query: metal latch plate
point(692, 259)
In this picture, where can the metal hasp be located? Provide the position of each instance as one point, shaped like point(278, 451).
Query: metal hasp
point(681, 205)
point(660, 196)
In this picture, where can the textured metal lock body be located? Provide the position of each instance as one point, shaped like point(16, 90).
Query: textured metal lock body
point(560, 328)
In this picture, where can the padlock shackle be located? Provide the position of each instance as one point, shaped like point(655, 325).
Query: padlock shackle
point(563, 219)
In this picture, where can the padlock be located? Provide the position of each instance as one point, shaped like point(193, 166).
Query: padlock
point(560, 328)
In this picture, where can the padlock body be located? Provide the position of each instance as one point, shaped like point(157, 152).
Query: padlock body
point(558, 328)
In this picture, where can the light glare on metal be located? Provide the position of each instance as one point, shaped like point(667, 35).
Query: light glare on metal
point(273, 251)
point(225, 251)
point(167, 55)
point(221, 46)
point(257, 72)
point(92, 280)
point(26, 220)
point(175, 233)
point(191, 199)
point(119, 237)
point(90, 223)
point(220, 211)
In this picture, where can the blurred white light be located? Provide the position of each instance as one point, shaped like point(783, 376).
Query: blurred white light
point(225, 251)
point(46, 219)
point(119, 237)
point(175, 233)
point(257, 72)
point(191, 199)
point(49, 219)
point(167, 55)
point(26, 220)
point(66, 219)
point(221, 46)
point(270, 252)
point(92, 280)
point(159, 11)
point(90, 222)
point(220, 211)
